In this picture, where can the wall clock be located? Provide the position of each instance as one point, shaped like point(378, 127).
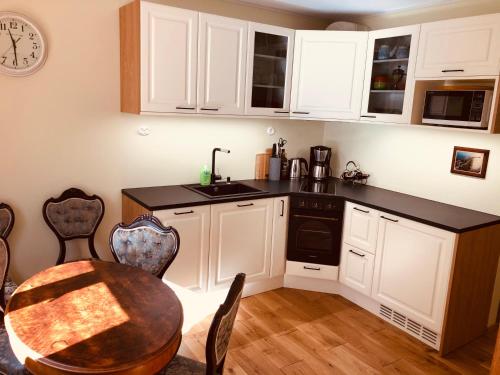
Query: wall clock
point(23, 49)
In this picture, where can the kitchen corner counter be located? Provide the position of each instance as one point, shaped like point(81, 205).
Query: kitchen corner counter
point(448, 217)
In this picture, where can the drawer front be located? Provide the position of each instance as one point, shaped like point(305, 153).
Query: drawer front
point(361, 227)
point(356, 269)
point(317, 271)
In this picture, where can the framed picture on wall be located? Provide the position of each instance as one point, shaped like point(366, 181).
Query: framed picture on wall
point(470, 161)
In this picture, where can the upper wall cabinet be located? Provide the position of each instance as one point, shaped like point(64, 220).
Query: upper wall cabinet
point(328, 73)
point(389, 77)
point(159, 47)
point(222, 65)
point(460, 47)
point(269, 73)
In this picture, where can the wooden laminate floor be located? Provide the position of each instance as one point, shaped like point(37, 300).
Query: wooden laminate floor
point(295, 332)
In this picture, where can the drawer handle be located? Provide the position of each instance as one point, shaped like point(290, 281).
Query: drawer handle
point(282, 208)
point(284, 112)
point(300, 113)
point(186, 108)
point(312, 268)
point(358, 254)
point(366, 116)
point(360, 210)
point(184, 213)
point(316, 217)
point(393, 220)
point(245, 205)
point(452, 70)
point(209, 109)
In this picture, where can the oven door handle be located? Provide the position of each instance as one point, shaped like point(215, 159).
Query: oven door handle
point(315, 217)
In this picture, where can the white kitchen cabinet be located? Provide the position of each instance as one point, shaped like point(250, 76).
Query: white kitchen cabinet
point(356, 269)
point(412, 269)
point(269, 72)
point(328, 74)
point(460, 47)
point(240, 241)
point(312, 270)
point(361, 227)
point(222, 65)
point(168, 50)
point(390, 74)
point(280, 235)
point(190, 267)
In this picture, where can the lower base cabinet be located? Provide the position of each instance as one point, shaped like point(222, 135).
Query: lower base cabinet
point(240, 241)
point(221, 240)
point(190, 267)
point(356, 269)
point(412, 270)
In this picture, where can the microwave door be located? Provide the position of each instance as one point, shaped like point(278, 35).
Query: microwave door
point(451, 108)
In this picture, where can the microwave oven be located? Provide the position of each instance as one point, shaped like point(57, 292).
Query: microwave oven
point(458, 108)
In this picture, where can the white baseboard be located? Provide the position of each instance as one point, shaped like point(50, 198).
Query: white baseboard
point(311, 284)
point(262, 286)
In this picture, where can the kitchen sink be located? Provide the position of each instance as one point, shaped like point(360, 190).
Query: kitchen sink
point(226, 189)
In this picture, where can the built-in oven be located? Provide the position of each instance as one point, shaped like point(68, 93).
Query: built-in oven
point(315, 230)
point(457, 107)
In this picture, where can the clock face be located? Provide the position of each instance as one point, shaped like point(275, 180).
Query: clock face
point(22, 46)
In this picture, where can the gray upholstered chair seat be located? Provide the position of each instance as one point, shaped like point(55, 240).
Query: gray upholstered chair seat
point(9, 365)
point(184, 366)
point(10, 288)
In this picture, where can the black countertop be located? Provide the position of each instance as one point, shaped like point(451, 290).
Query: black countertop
point(444, 216)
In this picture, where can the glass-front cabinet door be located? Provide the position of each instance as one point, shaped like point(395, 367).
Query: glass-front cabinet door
point(269, 73)
point(390, 71)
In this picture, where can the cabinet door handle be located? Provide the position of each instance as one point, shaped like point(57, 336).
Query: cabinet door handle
point(300, 113)
point(245, 205)
point(186, 108)
point(209, 109)
point(184, 213)
point(282, 208)
point(386, 218)
point(312, 268)
point(284, 112)
point(356, 253)
point(360, 210)
point(452, 70)
point(368, 116)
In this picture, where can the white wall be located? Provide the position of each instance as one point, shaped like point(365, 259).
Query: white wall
point(62, 127)
point(417, 161)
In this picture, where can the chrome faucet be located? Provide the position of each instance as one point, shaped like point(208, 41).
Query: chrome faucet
point(215, 177)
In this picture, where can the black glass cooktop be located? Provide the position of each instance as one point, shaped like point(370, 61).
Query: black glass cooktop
point(319, 186)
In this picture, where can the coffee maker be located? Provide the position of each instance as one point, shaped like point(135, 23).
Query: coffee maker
point(320, 162)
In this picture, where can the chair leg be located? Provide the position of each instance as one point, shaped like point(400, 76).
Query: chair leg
point(93, 252)
point(62, 252)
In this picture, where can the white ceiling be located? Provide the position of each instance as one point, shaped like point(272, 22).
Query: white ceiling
point(331, 7)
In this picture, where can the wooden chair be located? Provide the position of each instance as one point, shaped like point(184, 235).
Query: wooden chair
point(74, 215)
point(8, 361)
point(146, 244)
point(7, 219)
point(217, 340)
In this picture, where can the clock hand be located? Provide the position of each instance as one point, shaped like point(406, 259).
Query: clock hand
point(15, 47)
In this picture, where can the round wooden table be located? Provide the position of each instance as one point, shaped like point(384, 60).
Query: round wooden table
point(92, 317)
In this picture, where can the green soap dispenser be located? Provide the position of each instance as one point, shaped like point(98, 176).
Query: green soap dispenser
point(204, 176)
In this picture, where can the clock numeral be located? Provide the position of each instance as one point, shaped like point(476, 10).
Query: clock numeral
point(4, 58)
point(31, 36)
point(25, 61)
point(32, 55)
point(22, 28)
point(3, 26)
point(13, 25)
point(14, 62)
point(35, 46)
